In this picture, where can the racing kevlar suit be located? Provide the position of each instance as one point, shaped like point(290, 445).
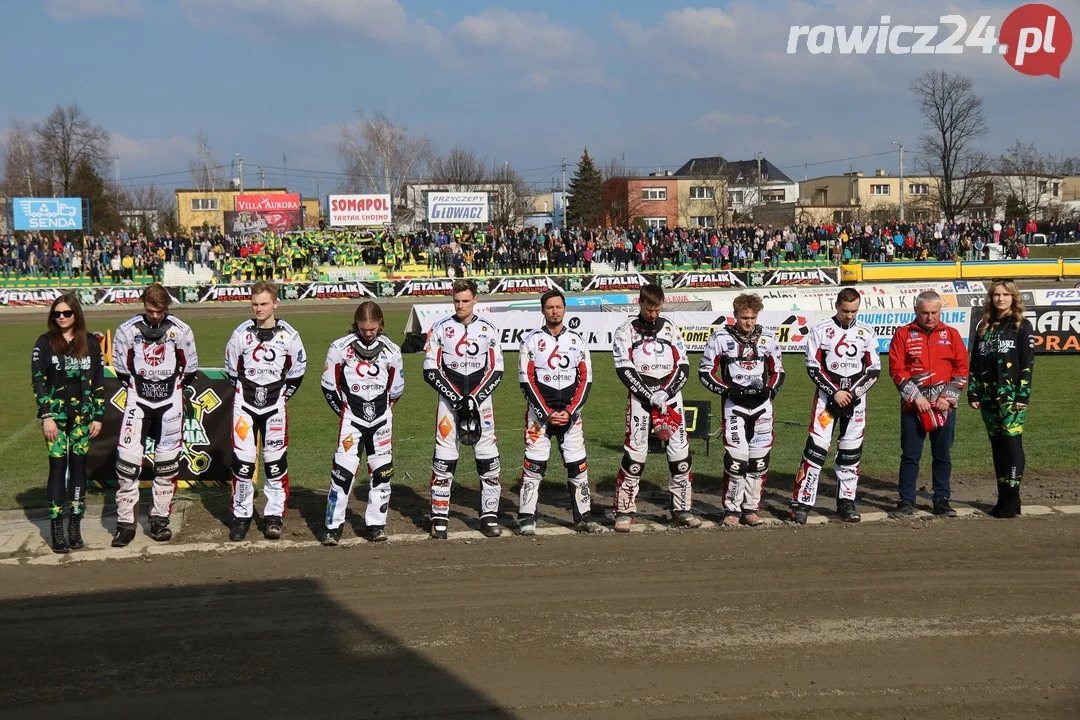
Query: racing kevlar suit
point(651, 360)
point(361, 382)
point(555, 374)
point(837, 358)
point(266, 367)
point(747, 371)
point(463, 361)
point(70, 391)
point(154, 363)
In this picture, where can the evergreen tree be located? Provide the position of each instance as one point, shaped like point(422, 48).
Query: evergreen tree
point(584, 206)
point(104, 214)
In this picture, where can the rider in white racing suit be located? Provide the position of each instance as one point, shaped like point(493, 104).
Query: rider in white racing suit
point(652, 362)
point(363, 378)
point(742, 364)
point(842, 360)
point(266, 365)
point(154, 357)
point(555, 374)
point(463, 361)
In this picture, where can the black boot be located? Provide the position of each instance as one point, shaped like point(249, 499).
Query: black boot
point(1002, 490)
point(1010, 505)
point(59, 540)
point(75, 540)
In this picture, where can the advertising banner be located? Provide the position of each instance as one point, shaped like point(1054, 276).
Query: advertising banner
point(462, 207)
point(1057, 329)
point(359, 210)
point(804, 276)
point(277, 213)
point(47, 214)
point(702, 280)
point(207, 451)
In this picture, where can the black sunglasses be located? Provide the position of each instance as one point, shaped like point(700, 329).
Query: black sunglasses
point(63, 313)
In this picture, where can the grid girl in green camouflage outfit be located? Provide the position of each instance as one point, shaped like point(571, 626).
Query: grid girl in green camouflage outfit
point(69, 385)
point(1002, 361)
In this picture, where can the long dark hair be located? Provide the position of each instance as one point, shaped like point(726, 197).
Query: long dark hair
point(77, 347)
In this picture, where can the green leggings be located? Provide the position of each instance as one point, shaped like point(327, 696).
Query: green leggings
point(1005, 428)
point(67, 456)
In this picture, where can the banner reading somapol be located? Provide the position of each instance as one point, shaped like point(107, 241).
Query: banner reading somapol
point(359, 210)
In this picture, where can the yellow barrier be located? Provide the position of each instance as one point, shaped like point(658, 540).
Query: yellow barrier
point(960, 270)
point(987, 270)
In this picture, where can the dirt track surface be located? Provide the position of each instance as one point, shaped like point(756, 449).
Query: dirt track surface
point(967, 618)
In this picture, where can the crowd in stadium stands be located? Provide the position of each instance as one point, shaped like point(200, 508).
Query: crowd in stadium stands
point(119, 257)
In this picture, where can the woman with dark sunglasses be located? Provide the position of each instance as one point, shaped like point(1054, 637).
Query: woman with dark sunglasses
point(69, 384)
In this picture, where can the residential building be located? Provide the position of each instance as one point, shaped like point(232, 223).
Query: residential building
point(650, 199)
point(876, 198)
point(1019, 196)
point(204, 210)
point(754, 190)
point(546, 210)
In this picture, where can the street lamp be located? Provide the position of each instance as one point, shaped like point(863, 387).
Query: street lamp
point(901, 146)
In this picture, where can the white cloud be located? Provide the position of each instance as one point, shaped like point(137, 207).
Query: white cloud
point(543, 50)
point(374, 19)
point(718, 120)
point(700, 27)
point(151, 151)
point(74, 9)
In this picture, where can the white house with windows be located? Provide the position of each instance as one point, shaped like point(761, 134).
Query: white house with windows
point(744, 184)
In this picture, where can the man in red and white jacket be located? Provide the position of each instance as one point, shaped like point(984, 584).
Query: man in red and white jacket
point(929, 365)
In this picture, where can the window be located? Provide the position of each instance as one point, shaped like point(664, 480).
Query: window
point(773, 195)
point(654, 193)
point(879, 189)
point(198, 204)
point(701, 192)
point(1043, 187)
point(656, 222)
point(918, 189)
point(702, 221)
point(1055, 189)
point(735, 197)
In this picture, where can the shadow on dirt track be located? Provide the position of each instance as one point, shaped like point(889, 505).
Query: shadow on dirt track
point(279, 649)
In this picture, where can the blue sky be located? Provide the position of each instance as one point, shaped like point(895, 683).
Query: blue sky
point(656, 82)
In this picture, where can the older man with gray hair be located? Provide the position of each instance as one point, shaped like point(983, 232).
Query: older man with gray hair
point(929, 364)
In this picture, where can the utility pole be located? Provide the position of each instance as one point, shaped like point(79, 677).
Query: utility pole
point(757, 200)
point(901, 179)
point(262, 178)
point(564, 193)
point(285, 167)
point(240, 166)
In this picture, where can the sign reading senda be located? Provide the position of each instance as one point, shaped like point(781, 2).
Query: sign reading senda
point(48, 214)
point(465, 207)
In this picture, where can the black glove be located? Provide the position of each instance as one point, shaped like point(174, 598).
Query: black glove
point(466, 407)
point(842, 412)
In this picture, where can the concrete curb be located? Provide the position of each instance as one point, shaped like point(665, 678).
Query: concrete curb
point(26, 545)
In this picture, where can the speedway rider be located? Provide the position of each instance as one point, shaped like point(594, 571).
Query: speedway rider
point(154, 357)
point(464, 363)
point(555, 374)
point(842, 360)
point(742, 364)
point(265, 361)
point(652, 362)
point(362, 380)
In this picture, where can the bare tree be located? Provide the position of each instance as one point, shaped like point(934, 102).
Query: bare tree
point(1025, 179)
point(380, 156)
point(22, 172)
point(205, 168)
point(512, 199)
point(149, 202)
point(953, 115)
point(66, 138)
point(459, 169)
